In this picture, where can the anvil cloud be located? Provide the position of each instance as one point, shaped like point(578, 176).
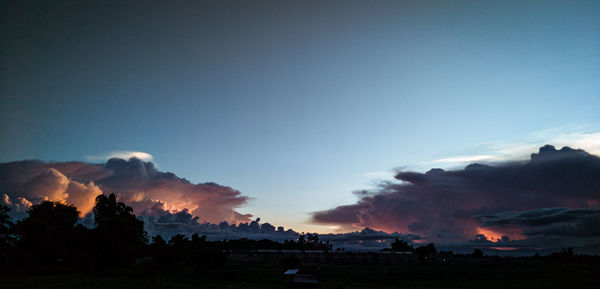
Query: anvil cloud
point(554, 194)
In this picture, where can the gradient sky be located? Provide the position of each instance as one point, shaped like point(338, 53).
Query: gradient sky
point(296, 104)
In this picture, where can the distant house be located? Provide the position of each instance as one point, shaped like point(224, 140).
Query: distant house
point(301, 278)
point(291, 272)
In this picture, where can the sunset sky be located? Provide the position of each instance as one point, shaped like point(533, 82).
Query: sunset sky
point(297, 104)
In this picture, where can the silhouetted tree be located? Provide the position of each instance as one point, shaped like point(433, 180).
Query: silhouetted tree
point(5, 222)
point(5, 237)
point(401, 246)
point(477, 253)
point(301, 239)
point(426, 252)
point(112, 215)
point(159, 250)
point(180, 249)
point(568, 252)
point(158, 241)
point(566, 255)
point(306, 242)
point(119, 235)
point(45, 235)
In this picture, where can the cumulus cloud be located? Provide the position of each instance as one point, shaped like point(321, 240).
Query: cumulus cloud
point(134, 181)
point(19, 206)
point(554, 189)
point(50, 184)
point(183, 222)
point(82, 195)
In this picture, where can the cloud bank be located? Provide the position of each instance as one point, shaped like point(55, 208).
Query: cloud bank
point(167, 204)
point(552, 198)
point(550, 201)
point(135, 182)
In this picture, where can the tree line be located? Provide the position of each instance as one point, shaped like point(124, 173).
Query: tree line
point(50, 235)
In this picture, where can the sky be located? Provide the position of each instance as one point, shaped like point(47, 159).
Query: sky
point(297, 104)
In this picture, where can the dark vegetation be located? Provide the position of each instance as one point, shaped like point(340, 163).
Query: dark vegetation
point(51, 236)
point(51, 248)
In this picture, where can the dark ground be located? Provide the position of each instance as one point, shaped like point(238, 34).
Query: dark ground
point(269, 274)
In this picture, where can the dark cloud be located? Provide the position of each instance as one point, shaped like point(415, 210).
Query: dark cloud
point(555, 189)
point(538, 217)
point(587, 227)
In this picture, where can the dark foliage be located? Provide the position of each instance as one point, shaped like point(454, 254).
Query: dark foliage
point(6, 239)
point(50, 237)
point(119, 237)
point(425, 253)
point(477, 253)
point(47, 236)
point(402, 246)
point(307, 242)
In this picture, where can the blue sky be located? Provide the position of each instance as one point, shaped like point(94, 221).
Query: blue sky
point(297, 104)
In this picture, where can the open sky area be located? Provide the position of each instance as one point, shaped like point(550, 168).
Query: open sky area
point(297, 104)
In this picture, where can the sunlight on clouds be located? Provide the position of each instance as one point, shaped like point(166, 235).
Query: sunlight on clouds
point(496, 236)
point(489, 234)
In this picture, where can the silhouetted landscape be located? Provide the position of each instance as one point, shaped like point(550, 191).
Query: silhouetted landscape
point(51, 248)
point(299, 144)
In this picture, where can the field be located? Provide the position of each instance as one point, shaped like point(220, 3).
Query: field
point(269, 274)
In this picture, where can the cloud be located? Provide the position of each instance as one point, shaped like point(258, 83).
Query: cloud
point(18, 206)
point(495, 152)
point(538, 217)
point(122, 155)
point(167, 204)
point(183, 222)
point(83, 196)
point(554, 188)
point(50, 184)
point(583, 222)
point(134, 181)
point(166, 224)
